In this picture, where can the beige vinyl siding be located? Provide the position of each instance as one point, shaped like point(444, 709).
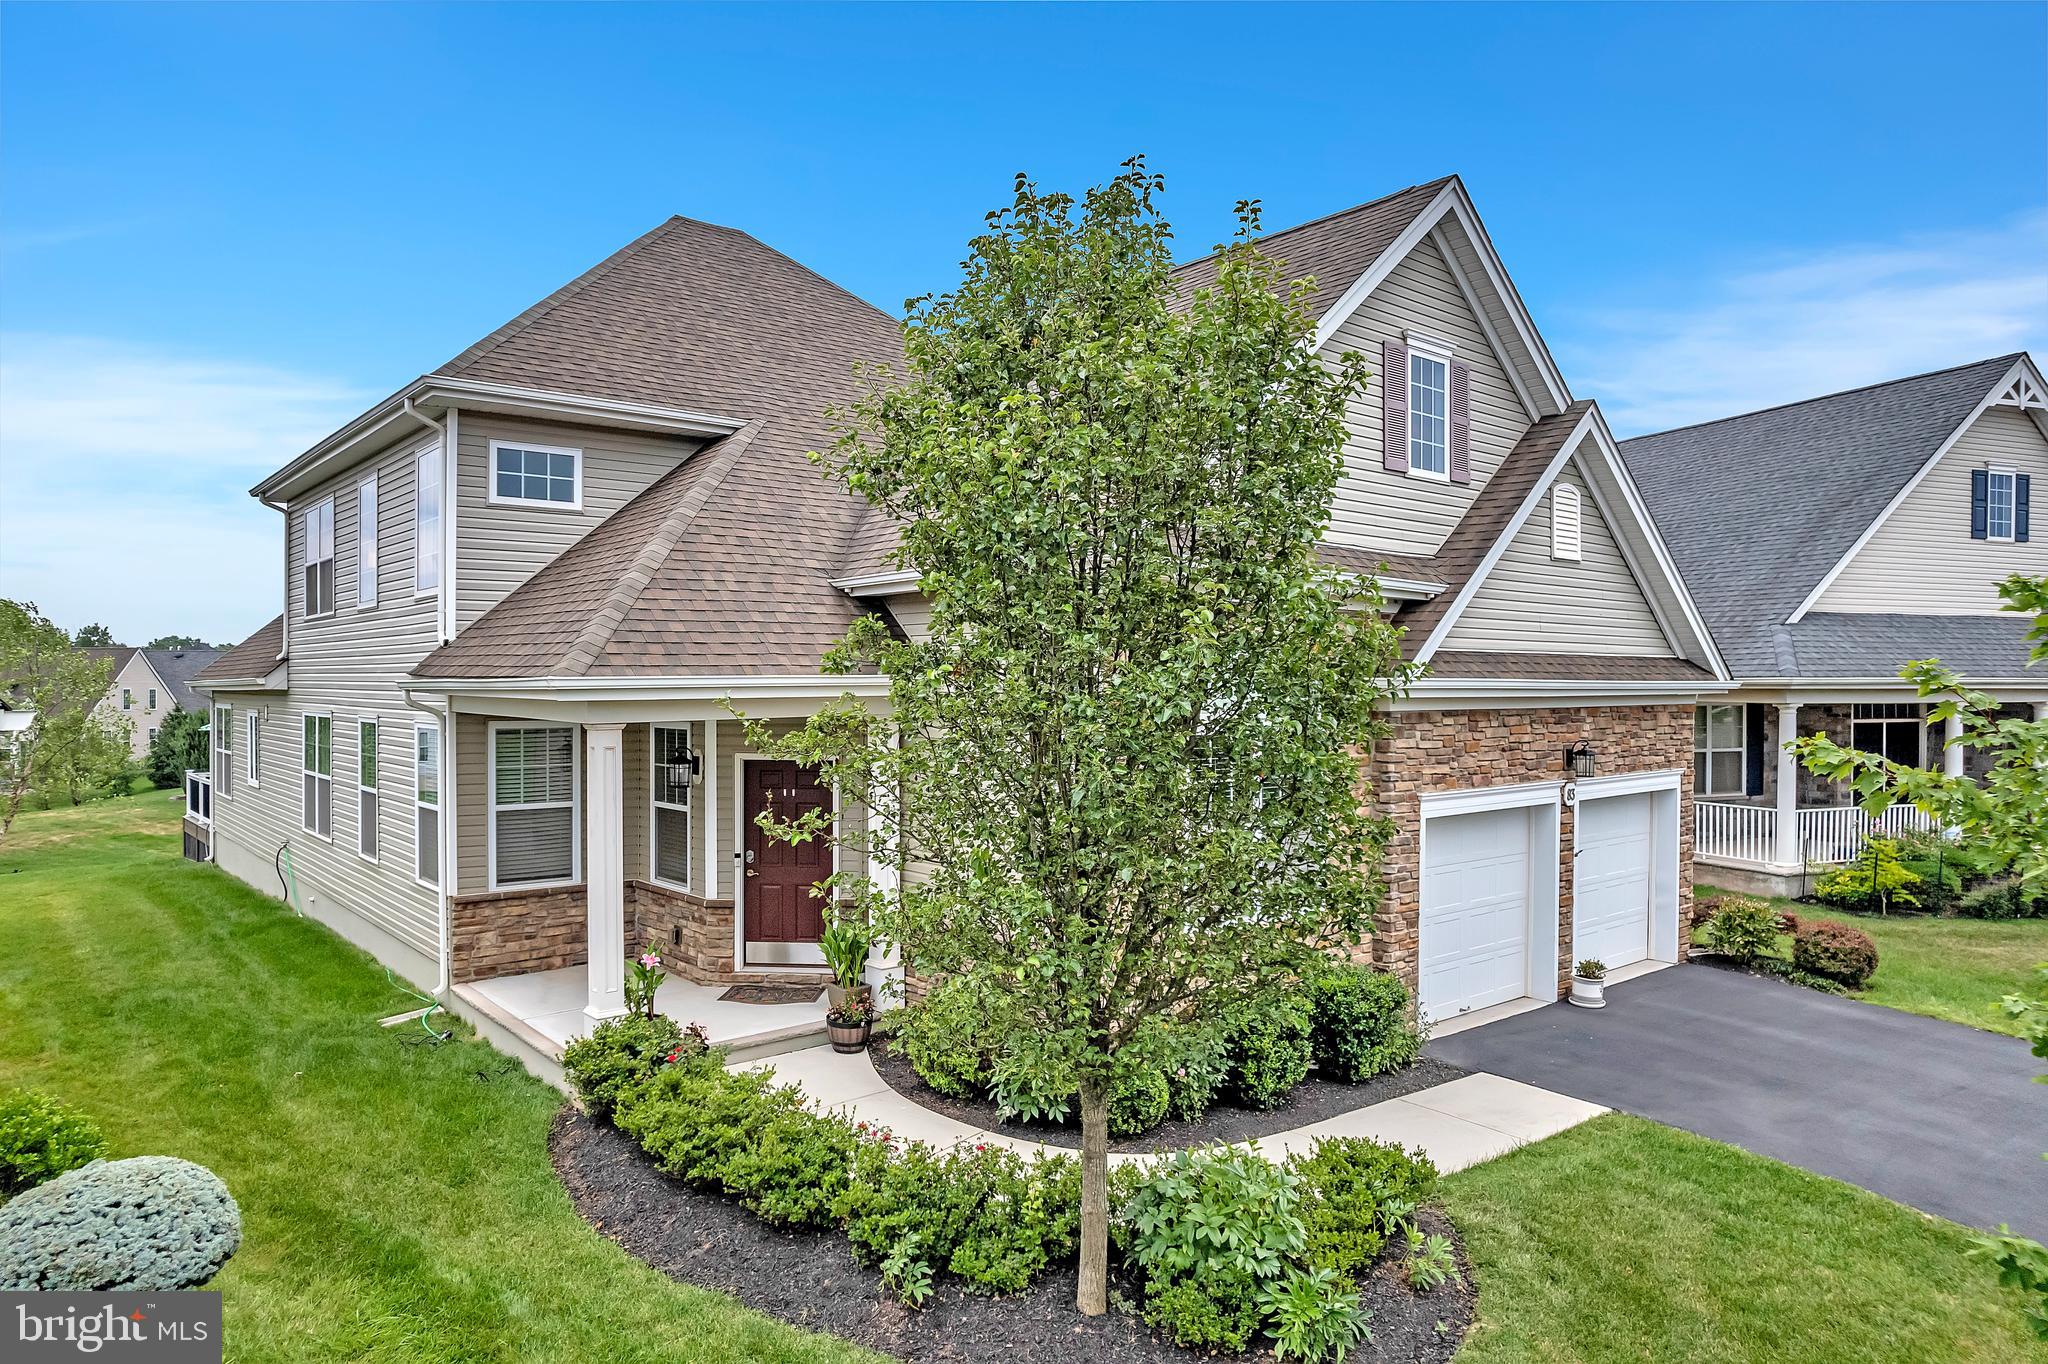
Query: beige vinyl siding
point(349, 665)
point(500, 546)
point(1395, 512)
point(635, 759)
point(1922, 560)
point(139, 679)
point(1532, 603)
point(913, 612)
point(472, 805)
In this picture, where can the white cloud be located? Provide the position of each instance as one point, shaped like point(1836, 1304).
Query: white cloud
point(123, 482)
point(1814, 323)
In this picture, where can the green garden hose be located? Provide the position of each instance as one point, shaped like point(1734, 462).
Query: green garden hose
point(290, 880)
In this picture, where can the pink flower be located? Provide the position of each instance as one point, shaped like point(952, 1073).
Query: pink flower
point(650, 960)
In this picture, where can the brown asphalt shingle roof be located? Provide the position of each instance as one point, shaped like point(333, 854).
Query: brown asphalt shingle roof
point(253, 657)
point(1565, 667)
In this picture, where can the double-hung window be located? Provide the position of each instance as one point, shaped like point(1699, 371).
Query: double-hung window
point(366, 788)
point(224, 750)
point(152, 698)
point(1999, 500)
point(319, 771)
point(672, 806)
point(366, 542)
point(1717, 750)
point(426, 804)
point(1429, 415)
point(426, 522)
point(537, 475)
point(127, 699)
point(318, 552)
point(533, 804)
point(254, 757)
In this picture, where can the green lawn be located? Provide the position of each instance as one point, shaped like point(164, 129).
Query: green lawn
point(399, 1205)
point(1957, 969)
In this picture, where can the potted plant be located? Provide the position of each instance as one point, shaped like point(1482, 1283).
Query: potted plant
point(847, 1023)
point(845, 945)
point(1589, 984)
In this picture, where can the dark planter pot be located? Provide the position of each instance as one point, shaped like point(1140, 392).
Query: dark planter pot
point(847, 1037)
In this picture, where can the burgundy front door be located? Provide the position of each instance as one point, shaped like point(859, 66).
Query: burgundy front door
point(782, 903)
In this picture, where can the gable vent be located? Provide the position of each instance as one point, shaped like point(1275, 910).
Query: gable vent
point(1566, 523)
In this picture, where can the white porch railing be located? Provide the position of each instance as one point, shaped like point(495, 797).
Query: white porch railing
point(1829, 835)
point(199, 797)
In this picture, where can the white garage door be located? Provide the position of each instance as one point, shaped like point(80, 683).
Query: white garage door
point(1475, 911)
point(1611, 904)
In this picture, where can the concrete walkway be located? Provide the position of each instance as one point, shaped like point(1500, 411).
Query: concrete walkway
point(1938, 1116)
point(1457, 1124)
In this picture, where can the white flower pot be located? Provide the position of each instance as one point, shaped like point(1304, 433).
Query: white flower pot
point(1589, 994)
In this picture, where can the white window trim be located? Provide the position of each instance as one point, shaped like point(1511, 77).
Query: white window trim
point(223, 750)
point(575, 453)
point(323, 509)
point(305, 771)
point(252, 754)
point(1704, 746)
point(2012, 503)
point(575, 803)
point(1567, 524)
point(422, 458)
point(152, 700)
point(127, 698)
point(1429, 348)
point(367, 547)
point(377, 754)
point(654, 806)
point(412, 765)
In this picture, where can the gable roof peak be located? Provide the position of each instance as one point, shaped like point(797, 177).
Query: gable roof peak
point(2006, 361)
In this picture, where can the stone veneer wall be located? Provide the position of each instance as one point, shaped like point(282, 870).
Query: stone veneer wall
point(1451, 750)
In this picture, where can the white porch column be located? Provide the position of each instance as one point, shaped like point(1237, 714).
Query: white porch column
point(709, 880)
point(1951, 750)
point(1787, 852)
point(604, 867)
point(885, 968)
point(2041, 710)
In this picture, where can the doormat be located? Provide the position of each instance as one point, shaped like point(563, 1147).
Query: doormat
point(773, 994)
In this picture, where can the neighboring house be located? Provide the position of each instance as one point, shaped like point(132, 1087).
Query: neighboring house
point(1829, 543)
point(491, 725)
point(147, 685)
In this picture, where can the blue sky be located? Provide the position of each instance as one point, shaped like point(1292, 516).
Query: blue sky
point(226, 229)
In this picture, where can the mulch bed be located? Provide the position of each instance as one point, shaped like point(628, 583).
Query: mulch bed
point(809, 1279)
point(1313, 1100)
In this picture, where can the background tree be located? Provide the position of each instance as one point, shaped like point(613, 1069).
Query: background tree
point(177, 642)
point(180, 746)
point(94, 636)
point(1126, 759)
point(43, 672)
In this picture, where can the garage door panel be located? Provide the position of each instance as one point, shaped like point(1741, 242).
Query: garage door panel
point(1475, 912)
point(1611, 904)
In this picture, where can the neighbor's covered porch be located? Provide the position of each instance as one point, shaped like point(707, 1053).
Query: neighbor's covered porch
point(583, 832)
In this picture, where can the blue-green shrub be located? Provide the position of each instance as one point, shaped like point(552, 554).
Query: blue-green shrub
point(148, 1224)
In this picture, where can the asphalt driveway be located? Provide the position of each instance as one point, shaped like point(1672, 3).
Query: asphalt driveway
point(1935, 1115)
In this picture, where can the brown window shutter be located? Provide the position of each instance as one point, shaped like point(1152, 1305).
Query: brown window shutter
point(1461, 422)
point(1394, 405)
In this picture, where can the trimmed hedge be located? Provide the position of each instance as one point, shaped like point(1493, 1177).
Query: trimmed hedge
point(41, 1139)
point(1360, 1023)
point(1834, 952)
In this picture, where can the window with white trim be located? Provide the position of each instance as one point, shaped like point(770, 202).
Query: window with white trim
point(366, 542)
point(1999, 500)
point(533, 804)
point(366, 788)
point(127, 699)
point(152, 698)
point(426, 522)
point(318, 766)
point(224, 750)
point(1717, 750)
point(1892, 729)
point(1429, 415)
point(671, 798)
point(426, 804)
point(1567, 524)
point(536, 475)
point(317, 538)
point(254, 757)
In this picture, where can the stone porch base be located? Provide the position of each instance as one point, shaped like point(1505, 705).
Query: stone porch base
point(1746, 878)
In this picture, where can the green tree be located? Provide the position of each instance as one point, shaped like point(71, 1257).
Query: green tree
point(180, 746)
point(42, 673)
point(94, 636)
point(177, 642)
point(1125, 762)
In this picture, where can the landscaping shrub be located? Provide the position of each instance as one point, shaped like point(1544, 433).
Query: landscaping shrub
point(1195, 1060)
point(1270, 1051)
point(41, 1139)
point(1313, 1315)
point(1876, 881)
point(620, 1052)
point(951, 1039)
point(1835, 952)
point(1207, 1230)
point(147, 1224)
point(1220, 1311)
point(2012, 899)
point(1354, 1194)
point(1138, 1100)
point(1744, 928)
point(1360, 1023)
point(1033, 1081)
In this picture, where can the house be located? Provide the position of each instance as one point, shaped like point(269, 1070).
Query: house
point(1829, 543)
point(147, 685)
point(488, 735)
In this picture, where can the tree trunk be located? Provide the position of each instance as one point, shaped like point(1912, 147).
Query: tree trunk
point(1091, 1296)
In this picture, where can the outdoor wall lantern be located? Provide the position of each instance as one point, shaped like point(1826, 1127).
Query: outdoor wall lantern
point(1578, 759)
